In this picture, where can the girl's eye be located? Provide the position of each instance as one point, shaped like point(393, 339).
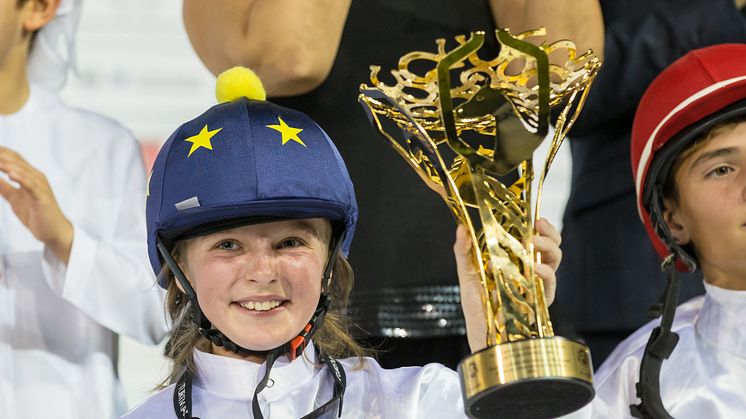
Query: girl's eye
point(227, 245)
point(720, 171)
point(290, 242)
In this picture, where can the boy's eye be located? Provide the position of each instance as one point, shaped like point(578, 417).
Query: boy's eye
point(720, 171)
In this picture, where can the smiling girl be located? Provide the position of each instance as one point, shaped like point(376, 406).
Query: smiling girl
point(250, 214)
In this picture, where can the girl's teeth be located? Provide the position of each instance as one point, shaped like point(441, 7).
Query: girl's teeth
point(260, 305)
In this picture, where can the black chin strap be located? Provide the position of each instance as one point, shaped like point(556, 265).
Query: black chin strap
point(261, 385)
point(293, 349)
point(659, 347)
point(661, 229)
point(662, 340)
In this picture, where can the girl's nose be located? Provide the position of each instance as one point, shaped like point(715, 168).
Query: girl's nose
point(260, 267)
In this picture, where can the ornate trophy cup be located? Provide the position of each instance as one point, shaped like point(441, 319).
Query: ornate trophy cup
point(463, 125)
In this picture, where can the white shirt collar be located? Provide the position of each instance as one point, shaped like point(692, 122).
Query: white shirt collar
point(722, 319)
point(237, 379)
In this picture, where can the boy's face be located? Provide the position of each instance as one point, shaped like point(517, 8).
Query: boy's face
point(18, 20)
point(259, 284)
point(711, 209)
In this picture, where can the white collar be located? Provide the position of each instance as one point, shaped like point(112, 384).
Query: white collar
point(237, 379)
point(722, 319)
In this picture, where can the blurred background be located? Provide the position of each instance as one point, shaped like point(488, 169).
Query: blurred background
point(135, 64)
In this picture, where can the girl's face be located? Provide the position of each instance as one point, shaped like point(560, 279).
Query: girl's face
point(711, 212)
point(259, 284)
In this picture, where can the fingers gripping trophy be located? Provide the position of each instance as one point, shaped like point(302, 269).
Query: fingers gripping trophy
point(464, 124)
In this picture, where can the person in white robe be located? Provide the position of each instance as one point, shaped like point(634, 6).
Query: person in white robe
point(73, 264)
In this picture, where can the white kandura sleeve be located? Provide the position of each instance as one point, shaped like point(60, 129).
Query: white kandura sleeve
point(108, 275)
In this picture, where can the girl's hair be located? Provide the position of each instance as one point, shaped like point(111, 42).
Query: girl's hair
point(333, 338)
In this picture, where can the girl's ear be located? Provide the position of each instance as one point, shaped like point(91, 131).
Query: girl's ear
point(672, 217)
point(38, 13)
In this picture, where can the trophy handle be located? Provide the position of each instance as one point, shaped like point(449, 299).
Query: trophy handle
point(444, 90)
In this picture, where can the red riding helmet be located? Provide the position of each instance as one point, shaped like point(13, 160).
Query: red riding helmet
point(696, 92)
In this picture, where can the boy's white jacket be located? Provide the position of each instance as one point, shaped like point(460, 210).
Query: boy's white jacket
point(705, 377)
point(224, 387)
point(58, 324)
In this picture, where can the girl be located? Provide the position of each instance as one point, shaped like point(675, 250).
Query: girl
point(250, 213)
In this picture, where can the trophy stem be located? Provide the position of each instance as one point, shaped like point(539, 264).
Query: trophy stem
point(543, 324)
point(491, 338)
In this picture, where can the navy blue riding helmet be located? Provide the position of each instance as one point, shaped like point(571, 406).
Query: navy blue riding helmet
point(244, 162)
point(246, 159)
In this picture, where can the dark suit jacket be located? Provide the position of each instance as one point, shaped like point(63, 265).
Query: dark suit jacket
point(404, 238)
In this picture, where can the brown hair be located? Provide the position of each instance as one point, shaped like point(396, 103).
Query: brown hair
point(333, 338)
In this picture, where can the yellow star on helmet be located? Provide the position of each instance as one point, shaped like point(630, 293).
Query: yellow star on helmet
point(202, 139)
point(288, 132)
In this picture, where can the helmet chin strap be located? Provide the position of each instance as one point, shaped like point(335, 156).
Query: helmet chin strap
point(662, 339)
point(293, 348)
point(661, 228)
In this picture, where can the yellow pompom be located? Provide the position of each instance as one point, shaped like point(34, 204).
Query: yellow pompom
point(238, 82)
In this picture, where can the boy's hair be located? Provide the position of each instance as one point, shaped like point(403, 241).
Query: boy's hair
point(333, 338)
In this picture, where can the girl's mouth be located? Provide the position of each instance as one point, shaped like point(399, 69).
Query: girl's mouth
point(261, 306)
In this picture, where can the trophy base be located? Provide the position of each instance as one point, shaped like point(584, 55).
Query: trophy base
point(533, 378)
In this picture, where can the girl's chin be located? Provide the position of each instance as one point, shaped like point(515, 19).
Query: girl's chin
point(260, 344)
point(258, 358)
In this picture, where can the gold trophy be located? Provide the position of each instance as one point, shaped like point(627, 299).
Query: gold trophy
point(463, 124)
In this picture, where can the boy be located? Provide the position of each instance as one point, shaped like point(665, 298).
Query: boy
point(689, 161)
point(73, 270)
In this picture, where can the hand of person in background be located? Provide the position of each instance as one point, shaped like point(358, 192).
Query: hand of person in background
point(34, 204)
point(547, 243)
